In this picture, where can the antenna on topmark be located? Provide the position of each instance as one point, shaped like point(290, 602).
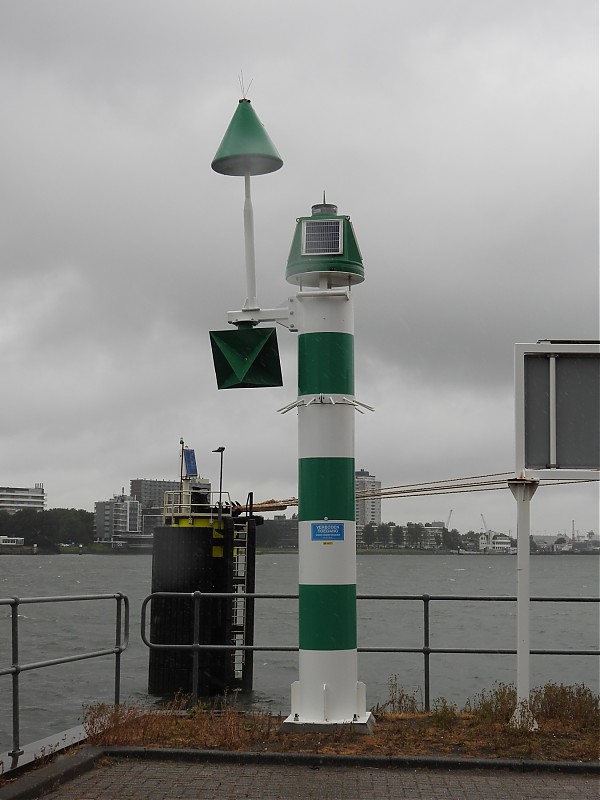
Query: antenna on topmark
point(241, 80)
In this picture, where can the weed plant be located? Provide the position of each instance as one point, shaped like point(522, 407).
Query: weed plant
point(495, 705)
point(444, 714)
point(577, 704)
point(568, 718)
point(399, 701)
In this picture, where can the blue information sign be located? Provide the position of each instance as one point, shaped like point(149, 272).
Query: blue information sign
point(327, 531)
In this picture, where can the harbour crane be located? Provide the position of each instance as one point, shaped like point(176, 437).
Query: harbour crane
point(488, 532)
point(448, 520)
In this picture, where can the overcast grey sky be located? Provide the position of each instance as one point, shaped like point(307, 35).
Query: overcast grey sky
point(461, 136)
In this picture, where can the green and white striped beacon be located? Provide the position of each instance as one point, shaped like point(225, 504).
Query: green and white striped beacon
point(325, 262)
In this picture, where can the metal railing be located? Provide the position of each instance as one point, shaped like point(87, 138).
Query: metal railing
point(426, 649)
point(183, 503)
point(121, 642)
point(122, 636)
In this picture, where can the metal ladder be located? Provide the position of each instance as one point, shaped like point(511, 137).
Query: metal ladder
point(242, 610)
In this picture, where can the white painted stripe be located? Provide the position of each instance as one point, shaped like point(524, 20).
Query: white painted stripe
point(328, 690)
point(325, 430)
point(325, 315)
point(321, 563)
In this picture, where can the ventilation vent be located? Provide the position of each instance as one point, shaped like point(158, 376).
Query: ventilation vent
point(322, 237)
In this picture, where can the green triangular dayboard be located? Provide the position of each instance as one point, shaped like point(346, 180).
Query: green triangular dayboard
point(246, 358)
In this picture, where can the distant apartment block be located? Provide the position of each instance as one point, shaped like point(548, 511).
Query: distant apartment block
point(13, 498)
point(150, 493)
point(368, 508)
point(433, 535)
point(120, 515)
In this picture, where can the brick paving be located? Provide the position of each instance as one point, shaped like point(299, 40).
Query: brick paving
point(132, 779)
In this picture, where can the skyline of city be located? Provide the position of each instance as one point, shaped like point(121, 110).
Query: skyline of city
point(367, 508)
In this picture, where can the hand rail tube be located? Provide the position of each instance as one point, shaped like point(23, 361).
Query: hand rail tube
point(427, 650)
point(16, 668)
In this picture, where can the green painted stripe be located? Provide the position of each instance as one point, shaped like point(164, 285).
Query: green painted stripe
point(327, 617)
point(326, 489)
point(326, 363)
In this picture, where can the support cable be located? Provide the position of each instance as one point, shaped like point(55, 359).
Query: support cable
point(464, 485)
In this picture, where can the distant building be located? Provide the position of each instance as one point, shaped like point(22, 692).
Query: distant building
point(368, 507)
point(151, 518)
point(278, 532)
point(433, 535)
point(13, 499)
point(11, 541)
point(491, 542)
point(120, 515)
point(151, 493)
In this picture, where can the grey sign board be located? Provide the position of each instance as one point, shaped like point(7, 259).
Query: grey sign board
point(557, 409)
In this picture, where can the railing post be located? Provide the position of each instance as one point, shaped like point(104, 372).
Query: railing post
point(426, 649)
point(196, 596)
point(118, 650)
point(17, 750)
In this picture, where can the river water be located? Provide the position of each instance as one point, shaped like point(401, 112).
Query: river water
point(52, 699)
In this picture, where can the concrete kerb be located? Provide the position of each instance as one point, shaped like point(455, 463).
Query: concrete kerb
point(64, 768)
point(68, 766)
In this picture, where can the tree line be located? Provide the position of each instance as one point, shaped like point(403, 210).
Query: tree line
point(49, 529)
point(415, 535)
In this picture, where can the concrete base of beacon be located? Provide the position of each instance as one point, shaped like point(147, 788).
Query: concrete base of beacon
point(321, 718)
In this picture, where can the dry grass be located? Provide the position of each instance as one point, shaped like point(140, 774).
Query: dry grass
point(568, 717)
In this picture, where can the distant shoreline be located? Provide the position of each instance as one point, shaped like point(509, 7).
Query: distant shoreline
point(389, 551)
